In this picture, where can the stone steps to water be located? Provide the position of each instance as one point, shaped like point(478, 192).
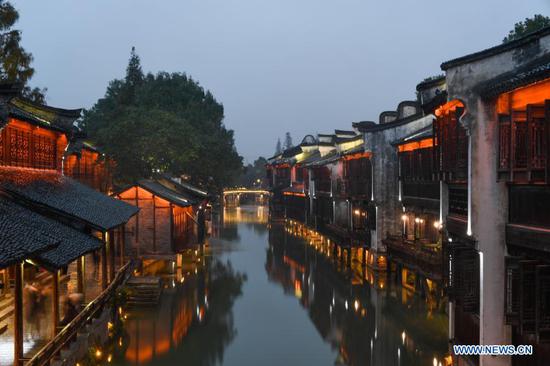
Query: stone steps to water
point(143, 291)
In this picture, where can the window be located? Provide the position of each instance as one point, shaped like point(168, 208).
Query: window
point(523, 135)
point(451, 143)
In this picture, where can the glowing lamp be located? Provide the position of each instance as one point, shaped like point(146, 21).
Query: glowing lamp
point(417, 220)
point(404, 217)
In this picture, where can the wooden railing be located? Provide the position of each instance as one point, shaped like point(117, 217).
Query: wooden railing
point(68, 333)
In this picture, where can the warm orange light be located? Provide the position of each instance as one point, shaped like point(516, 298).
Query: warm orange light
point(448, 107)
point(359, 155)
point(422, 144)
point(297, 194)
point(520, 98)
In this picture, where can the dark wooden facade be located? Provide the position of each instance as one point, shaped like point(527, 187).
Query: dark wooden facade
point(162, 226)
point(90, 167)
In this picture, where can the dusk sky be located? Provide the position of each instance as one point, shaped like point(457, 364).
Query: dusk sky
point(303, 66)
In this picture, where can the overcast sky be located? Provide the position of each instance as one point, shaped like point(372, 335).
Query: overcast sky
point(304, 66)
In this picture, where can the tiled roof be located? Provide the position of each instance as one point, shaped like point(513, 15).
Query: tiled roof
point(384, 126)
point(43, 114)
point(164, 192)
point(19, 236)
point(532, 72)
point(291, 152)
point(65, 196)
point(344, 132)
point(504, 47)
point(429, 83)
point(327, 159)
point(364, 124)
point(75, 147)
point(357, 149)
point(420, 134)
point(316, 155)
point(71, 243)
point(188, 189)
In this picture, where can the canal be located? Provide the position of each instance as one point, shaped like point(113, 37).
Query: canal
point(268, 294)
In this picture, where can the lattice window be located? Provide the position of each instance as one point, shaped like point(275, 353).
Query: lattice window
point(538, 145)
point(527, 308)
point(44, 152)
point(464, 277)
point(523, 144)
point(451, 156)
point(512, 286)
point(543, 303)
point(504, 142)
point(20, 143)
point(520, 144)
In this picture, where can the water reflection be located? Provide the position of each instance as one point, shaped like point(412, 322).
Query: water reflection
point(193, 321)
point(369, 318)
point(276, 295)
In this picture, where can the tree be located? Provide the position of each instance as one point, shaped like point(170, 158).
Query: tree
point(163, 123)
point(253, 174)
point(529, 25)
point(278, 148)
point(288, 141)
point(15, 62)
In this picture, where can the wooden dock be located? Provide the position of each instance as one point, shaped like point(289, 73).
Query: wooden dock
point(143, 291)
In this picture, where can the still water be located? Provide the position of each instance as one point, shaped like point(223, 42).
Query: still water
point(266, 296)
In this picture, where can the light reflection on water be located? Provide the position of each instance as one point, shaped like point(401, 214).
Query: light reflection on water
point(265, 297)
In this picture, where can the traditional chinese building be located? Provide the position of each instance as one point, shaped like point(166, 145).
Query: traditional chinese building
point(165, 223)
point(494, 168)
point(49, 221)
point(87, 164)
point(385, 208)
point(419, 243)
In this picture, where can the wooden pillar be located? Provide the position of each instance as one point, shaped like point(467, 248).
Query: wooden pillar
point(137, 221)
point(154, 225)
point(18, 316)
point(55, 299)
point(111, 252)
point(122, 244)
point(172, 236)
point(80, 270)
point(104, 262)
point(6, 279)
point(364, 259)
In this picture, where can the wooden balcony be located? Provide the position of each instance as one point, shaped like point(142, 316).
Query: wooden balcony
point(323, 185)
point(529, 217)
point(458, 200)
point(421, 194)
point(419, 255)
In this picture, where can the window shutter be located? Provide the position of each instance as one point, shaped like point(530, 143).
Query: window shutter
point(528, 286)
point(543, 303)
point(512, 288)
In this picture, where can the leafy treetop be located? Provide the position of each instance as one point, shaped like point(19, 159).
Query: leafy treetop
point(15, 62)
point(529, 25)
point(163, 123)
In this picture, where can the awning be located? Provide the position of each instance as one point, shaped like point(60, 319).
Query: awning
point(70, 243)
point(64, 196)
point(164, 192)
point(19, 237)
